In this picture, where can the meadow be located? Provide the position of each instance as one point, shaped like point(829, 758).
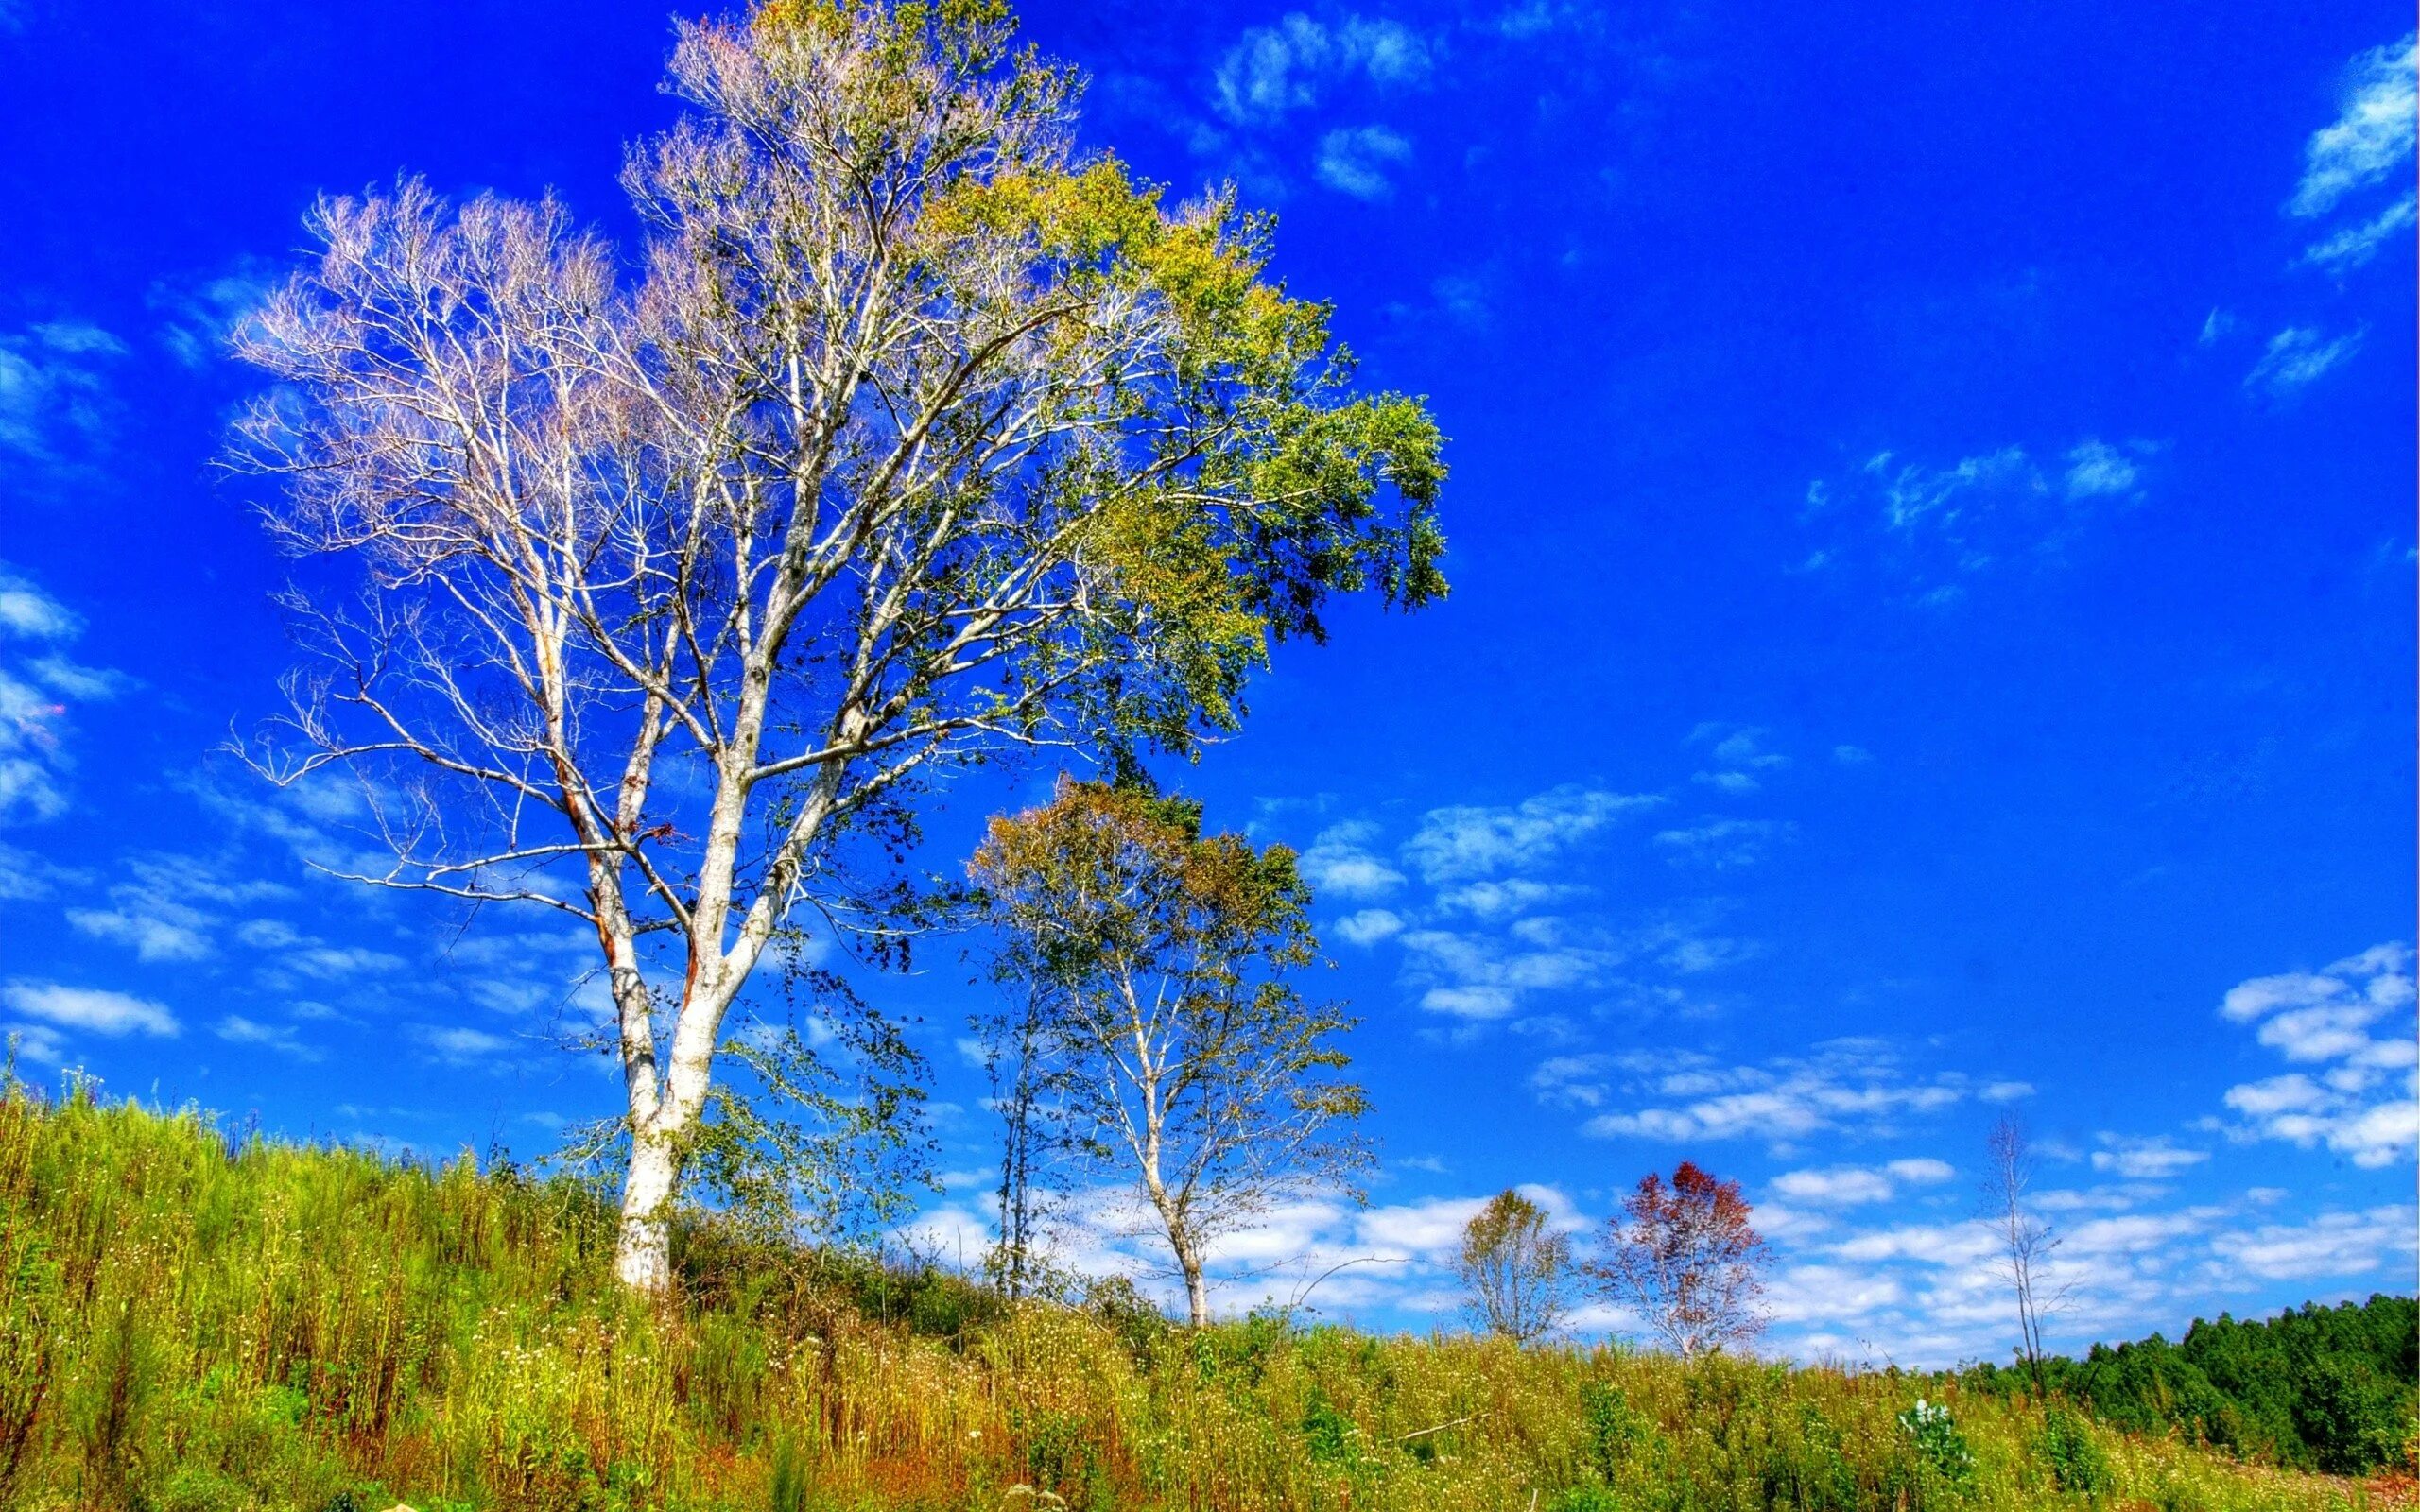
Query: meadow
point(194, 1322)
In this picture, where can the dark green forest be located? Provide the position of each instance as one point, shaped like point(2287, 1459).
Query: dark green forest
point(2320, 1389)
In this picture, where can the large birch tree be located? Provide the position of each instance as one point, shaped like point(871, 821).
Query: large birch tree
point(909, 435)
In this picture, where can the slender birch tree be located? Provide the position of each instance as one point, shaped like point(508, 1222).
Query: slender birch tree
point(2026, 1240)
point(1514, 1268)
point(1685, 1259)
point(1175, 1053)
point(909, 435)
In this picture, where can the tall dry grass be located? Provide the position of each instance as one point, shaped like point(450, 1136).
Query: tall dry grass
point(190, 1323)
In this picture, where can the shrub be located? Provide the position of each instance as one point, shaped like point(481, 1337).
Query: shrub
point(2076, 1464)
point(1940, 1449)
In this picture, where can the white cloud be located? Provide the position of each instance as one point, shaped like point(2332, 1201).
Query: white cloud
point(236, 1029)
point(2331, 1245)
point(90, 1008)
point(1273, 71)
point(459, 1046)
point(1854, 1087)
point(202, 312)
point(2095, 468)
point(2355, 245)
point(2151, 1159)
point(152, 936)
point(1738, 754)
point(1574, 1081)
point(1914, 496)
point(1723, 844)
point(2299, 356)
point(166, 907)
point(2372, 134)
point(52, 395)
point(2363, 1103)
point(1466, 841)
point(26, 610)
point(1838, 1186)
point(1356, 161)
point(34, 1044)
point(1501, 899)
point(36, 691)
point(25, 876)
point(1938, 526)
point(1852, 1186)
point(1484, 976)
point(1368, 925)
point(1339, 862)
point(327, 962)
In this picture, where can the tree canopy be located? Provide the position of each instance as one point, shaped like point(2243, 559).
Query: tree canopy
point(910, 434)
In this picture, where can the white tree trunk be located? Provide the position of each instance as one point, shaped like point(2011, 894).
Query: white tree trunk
point(1197, 1298)
point(643, 1252)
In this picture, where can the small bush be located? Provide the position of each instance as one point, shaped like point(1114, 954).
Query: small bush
point(1940, 1449)
point(2076, 1464)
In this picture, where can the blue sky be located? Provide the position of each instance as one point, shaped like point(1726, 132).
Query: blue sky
point(1931, 632)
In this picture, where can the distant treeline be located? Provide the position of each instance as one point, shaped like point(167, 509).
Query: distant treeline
point(2324, 1389)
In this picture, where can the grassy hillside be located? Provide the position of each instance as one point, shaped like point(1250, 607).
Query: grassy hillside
point(186, 1326)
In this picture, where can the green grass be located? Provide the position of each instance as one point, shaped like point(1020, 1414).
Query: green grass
point(188, 1326)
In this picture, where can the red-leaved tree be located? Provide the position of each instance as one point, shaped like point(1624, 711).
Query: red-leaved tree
point(1684, 1258)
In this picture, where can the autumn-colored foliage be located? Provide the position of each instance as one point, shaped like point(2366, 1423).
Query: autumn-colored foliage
point(1686, 1260)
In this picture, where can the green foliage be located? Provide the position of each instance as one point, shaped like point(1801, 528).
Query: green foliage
point(1165, 1037)
point(2327, 1388)
point(2076, 1461)
point(1613, 1430)
point(265, 1328)
point(1943, 1456)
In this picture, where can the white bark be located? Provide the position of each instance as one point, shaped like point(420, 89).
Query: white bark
point(831, 500)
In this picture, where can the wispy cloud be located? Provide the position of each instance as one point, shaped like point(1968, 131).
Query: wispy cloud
point(456, 1046)
point(2331, 1245)
point(1724, 844)
point(2357, 244)
point(202, 311)
point(1368, 926)
point(2360, 1097)
point(2096, 468)
point(1467, 840)
point(89, 1009)
point(2370, 136)
point(168, 907)
point(2144, 1159)
point(1357, 160)
point(54, 397)
point(2297, 356)
point(1737, 757)
point(25, 876)
point(1856, 1087)
point(1340, 864)
point(1855, 1185)
point(236, 1029)
point(1937, 524)
point(37, 689)
point(1273, 71)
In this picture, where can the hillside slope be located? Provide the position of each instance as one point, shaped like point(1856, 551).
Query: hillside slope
point(187, 1327)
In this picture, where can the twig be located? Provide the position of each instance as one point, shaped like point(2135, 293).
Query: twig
point(1438, 1428)
point(1362, 1260)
